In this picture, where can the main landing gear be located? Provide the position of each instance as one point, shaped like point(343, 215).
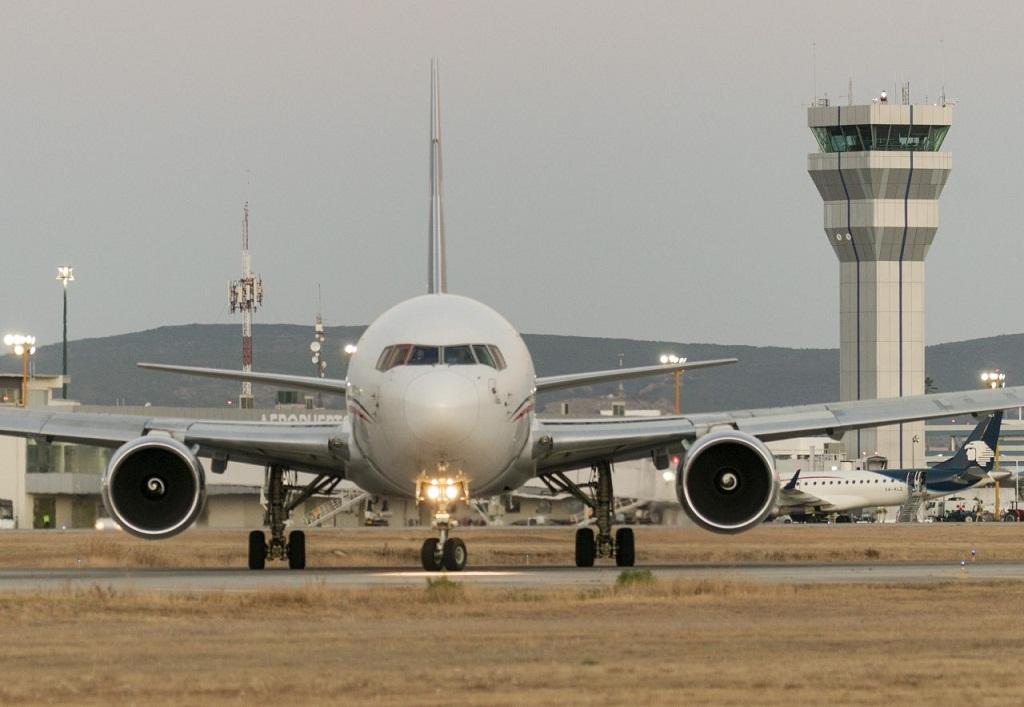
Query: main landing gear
point(443, 552)
point(283, 497)
point(588, 547)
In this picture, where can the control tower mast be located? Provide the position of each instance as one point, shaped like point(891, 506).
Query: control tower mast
point(880, 172)
point(246, 296)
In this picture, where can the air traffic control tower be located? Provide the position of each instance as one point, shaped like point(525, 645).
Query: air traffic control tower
point(880, 171)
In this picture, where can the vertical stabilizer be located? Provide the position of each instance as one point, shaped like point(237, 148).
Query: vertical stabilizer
point(437, 275)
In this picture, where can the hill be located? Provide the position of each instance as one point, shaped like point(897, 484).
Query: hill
point(104, 373)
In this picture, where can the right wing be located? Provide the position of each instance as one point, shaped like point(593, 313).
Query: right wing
point(561, 445)
point(316, 447)
point(324, 385)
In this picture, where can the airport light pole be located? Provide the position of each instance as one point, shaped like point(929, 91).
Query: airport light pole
point(65, 273)
point(994, 379)
point(677, 375)
point(23, 346)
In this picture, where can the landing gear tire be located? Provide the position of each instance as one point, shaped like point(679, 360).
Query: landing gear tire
point(257, 550)
point(454, 555)
point(297, 550)
point(430, 556)
point(586, 548)
point(625, 548)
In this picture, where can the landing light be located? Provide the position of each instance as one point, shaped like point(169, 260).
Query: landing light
point(433, 492)
point(668, 475)
point(451, 492)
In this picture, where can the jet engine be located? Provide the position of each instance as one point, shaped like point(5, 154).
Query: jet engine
point(154, 487)
point(727, 482)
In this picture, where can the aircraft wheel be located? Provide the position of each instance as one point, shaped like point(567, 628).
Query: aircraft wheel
point(297, 550)
point(454, 555)
point(586, 548)
point(429, 555)
point(625, 548)
point(257, 550)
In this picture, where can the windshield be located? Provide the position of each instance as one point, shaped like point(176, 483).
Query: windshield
point(423, 356)
point(457, 355)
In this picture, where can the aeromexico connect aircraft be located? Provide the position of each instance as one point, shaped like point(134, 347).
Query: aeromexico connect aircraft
point(440, 395)
point(838, 491)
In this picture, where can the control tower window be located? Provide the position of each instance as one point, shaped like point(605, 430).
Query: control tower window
point(859, 138)
point(423, 356)
point(459, 356)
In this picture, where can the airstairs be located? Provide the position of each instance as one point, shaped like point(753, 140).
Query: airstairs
point(910, 511)
point(341, 502)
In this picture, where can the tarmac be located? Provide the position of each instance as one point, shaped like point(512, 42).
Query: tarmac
point(238, 579)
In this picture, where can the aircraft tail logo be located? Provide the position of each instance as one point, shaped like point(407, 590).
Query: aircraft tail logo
point(979, 453)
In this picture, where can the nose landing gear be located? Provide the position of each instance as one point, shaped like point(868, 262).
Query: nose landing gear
point(443, 552)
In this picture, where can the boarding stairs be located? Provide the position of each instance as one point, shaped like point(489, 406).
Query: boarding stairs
point(910, 511)
point(342, 501)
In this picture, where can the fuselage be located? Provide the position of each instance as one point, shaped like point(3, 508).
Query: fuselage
point(849, 490)
point(440, 385)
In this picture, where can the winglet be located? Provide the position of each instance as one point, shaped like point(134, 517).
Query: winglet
point(437, 271)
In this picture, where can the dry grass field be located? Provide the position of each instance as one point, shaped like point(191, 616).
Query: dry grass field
point(652, 640)
point(647, 642)
point(387, 547)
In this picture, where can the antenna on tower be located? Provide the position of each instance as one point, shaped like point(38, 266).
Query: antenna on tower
point(246, 296)
point(316, 346)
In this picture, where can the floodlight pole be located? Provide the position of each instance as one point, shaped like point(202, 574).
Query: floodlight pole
point(64, 349)
point(65, 273)
point(24, 377)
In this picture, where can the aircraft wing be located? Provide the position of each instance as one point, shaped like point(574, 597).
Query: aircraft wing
point(562, 444)
point(573, 380)
point(324, 385)
point(317, 447)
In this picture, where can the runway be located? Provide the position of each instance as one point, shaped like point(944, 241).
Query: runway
point(239, 579)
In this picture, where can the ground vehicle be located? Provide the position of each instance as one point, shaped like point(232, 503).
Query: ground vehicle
point(1013, 515)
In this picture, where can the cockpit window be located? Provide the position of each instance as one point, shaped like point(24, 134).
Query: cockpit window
point(423, 356)
point(499, 360)
point(393, 356)
point(459, 356)
point(483, 355)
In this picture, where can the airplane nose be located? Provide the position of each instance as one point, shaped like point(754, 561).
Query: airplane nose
point(441, 407)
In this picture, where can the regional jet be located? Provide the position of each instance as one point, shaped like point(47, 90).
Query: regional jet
point(440, 395)
point(829, 492)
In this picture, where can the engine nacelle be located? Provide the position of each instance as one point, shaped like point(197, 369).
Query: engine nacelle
point(154, 487)
point(727, 482)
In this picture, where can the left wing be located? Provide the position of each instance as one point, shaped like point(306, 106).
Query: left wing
point(317, 447)
point(573, 380)
point(561, 445)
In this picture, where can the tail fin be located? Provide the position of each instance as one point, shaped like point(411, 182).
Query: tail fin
point(437, 271)
point(979, 448)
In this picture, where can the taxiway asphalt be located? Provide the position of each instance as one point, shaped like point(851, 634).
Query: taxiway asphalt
point(238, 579)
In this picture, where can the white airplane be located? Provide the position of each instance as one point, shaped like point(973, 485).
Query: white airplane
point(440, 395)
point(828, 492)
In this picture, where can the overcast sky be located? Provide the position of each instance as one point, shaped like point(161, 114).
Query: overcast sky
point(611, 169)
